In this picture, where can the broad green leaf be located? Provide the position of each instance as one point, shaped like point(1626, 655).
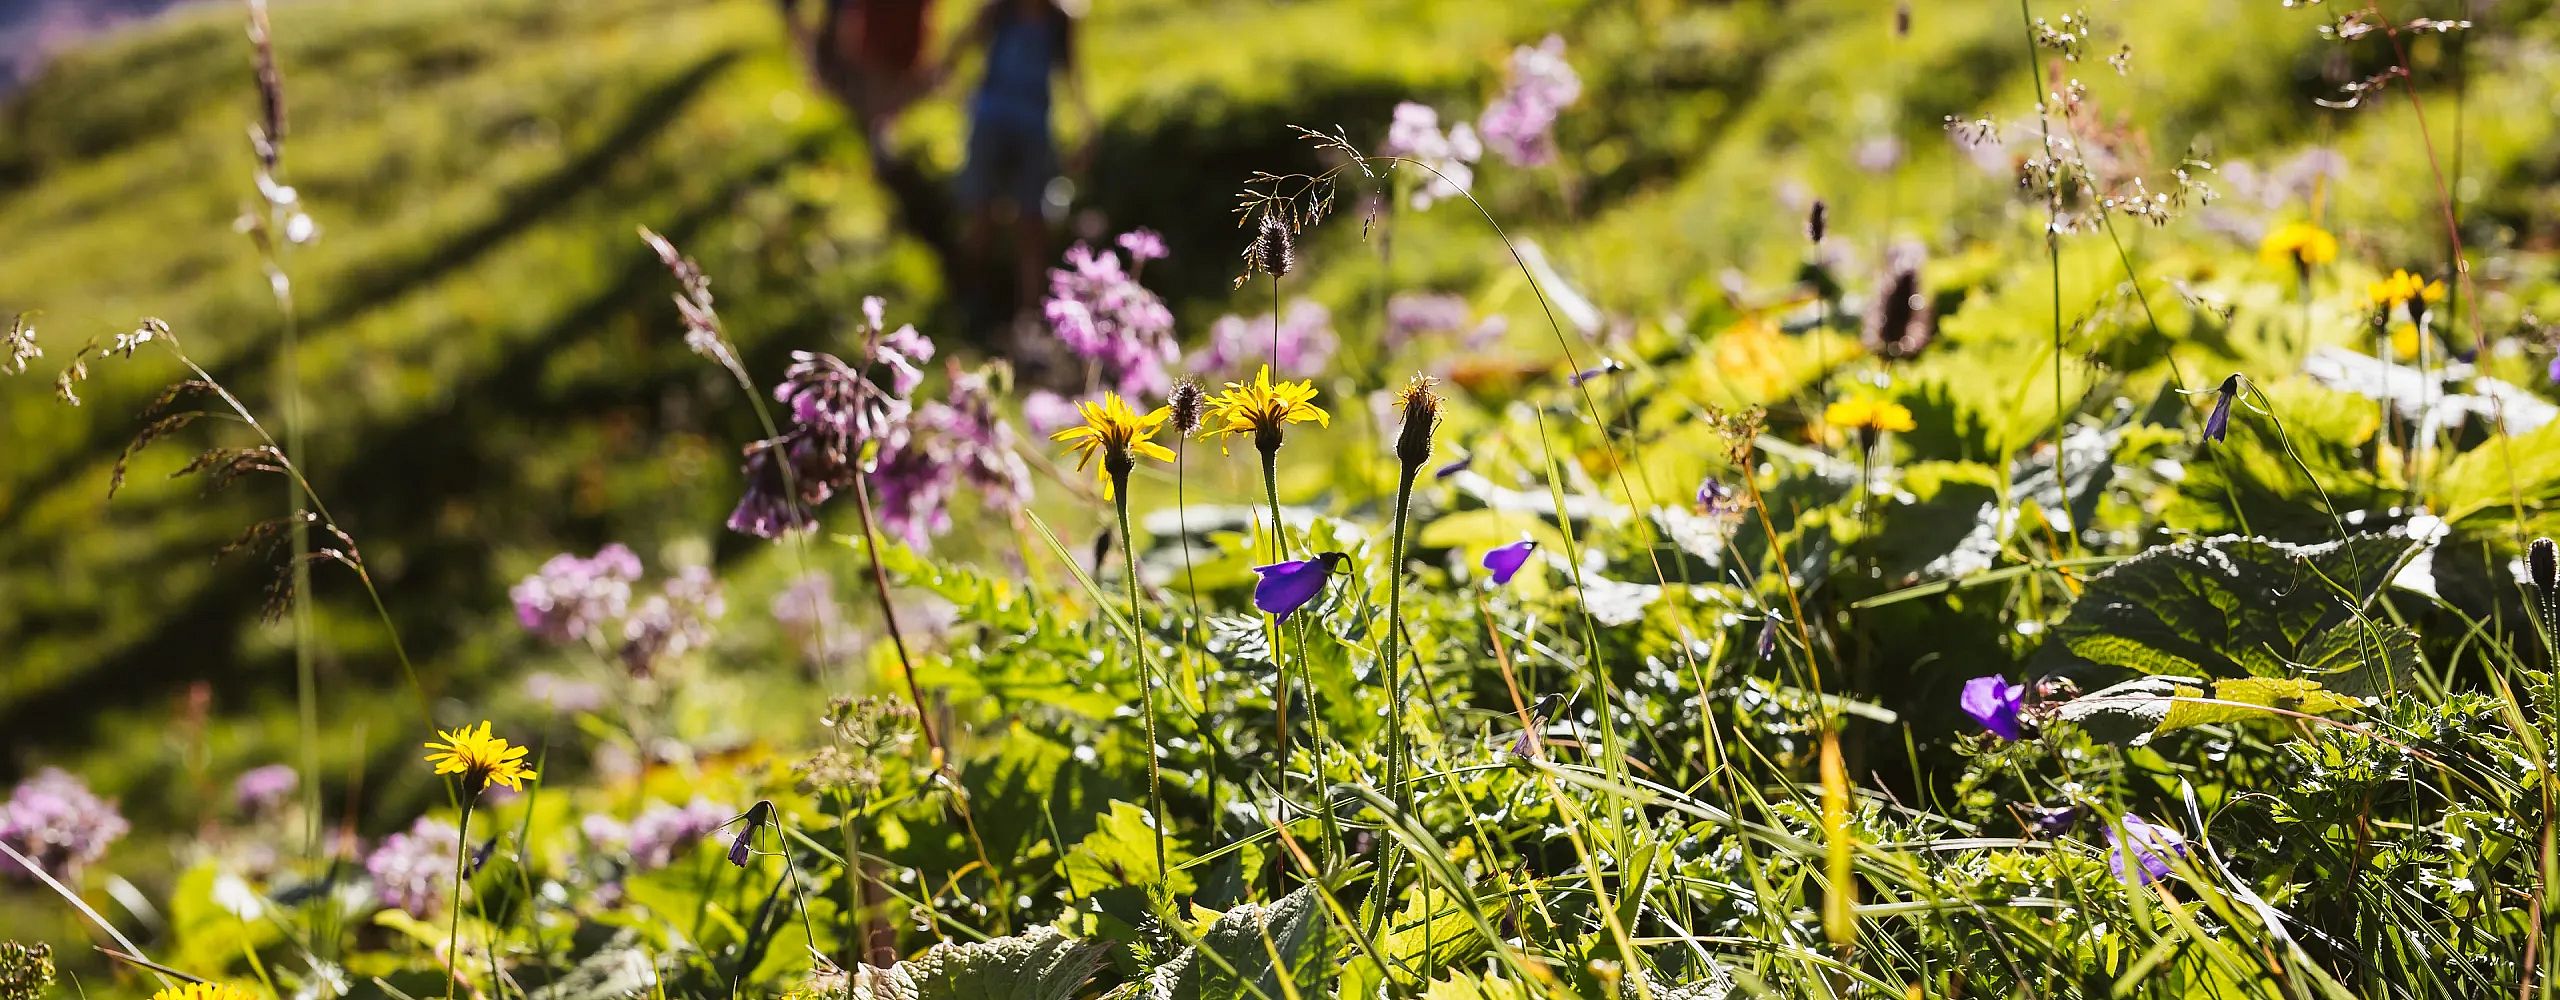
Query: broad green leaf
point(1249, 950)
point(2226, 606)
point(2369, 658)
point(1121, 851)
point(2125, 713)
point(1040, 965)
point(2137, 710)
point(2248, 699)
point(619, 969)
point(2501, 472)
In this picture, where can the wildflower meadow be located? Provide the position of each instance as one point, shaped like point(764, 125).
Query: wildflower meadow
point(519, 500)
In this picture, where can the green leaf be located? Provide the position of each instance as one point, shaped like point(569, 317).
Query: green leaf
point(1249, 950)
point(2249, 699)
point(1121, 851)
point(2133, 712)
point(2126, 713)
point(2227, 606)
point(1040, 965)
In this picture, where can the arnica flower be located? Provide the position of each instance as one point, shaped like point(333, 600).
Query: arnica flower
point(2403, 290)
point(1116, 433)
point(2300, 246)
point(2141, 849)
point(1504, 561)
point(1288, 586)
point(1263, 409)
point(481, 759)
point(1994, 702)
point(261, 789)
point(58, 823)
point(205, 991)
point(411, 870)
point(1868, 416)
point(2218, 423)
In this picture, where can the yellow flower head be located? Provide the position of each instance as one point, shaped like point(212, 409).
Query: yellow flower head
point(1262, 409)
point(2404, 341)
point(2298, 244)
point(479, 758)
point(1868, 414)
point(1117, 433)
point(205, 991)
point(2403, 288)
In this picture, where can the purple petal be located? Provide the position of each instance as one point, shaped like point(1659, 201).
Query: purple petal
point(1505, 560)
point(1288, 586)
point(1993, 701)
point(2217, 423)
point(2151, 844)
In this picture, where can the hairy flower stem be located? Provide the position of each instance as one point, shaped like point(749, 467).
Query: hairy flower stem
point(2053, 259)
point(1306, 681)
point(1119, 468)
point(1399, 785)
point(453, 929)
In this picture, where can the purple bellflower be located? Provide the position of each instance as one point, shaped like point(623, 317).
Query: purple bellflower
point(1288, 586)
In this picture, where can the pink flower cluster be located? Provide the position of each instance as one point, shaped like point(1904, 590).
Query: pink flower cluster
point(58, 823)
point(1415, 134)
point(1098, 309)
point(1297, 347)
point(1520, 122)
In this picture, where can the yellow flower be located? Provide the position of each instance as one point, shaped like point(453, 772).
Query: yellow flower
point(1262, 409)
point(205, 991)
point(1118, 434)
point(1868, 414)
point(479, 758)
point(2298, 244)
point(2404, 340)
point(2402, 288)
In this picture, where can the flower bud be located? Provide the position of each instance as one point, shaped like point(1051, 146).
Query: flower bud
point(2542, 563)
point(1421, 416)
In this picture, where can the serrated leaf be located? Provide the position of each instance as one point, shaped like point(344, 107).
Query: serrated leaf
point(619, 969)
point(2126, 713)
point(2249, 699)
point(2226, 606)
point(1249, 950)
point(1121, 851)
point(1040, 965)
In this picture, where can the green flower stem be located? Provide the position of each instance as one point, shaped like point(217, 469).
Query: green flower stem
point(1399, 787)
point(453, 928)
point(1306, 679)
point(1119, 466)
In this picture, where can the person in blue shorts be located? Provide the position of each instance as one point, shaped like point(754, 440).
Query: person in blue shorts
point(1013, 154)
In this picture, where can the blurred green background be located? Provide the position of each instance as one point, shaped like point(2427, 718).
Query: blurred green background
point(495, 374)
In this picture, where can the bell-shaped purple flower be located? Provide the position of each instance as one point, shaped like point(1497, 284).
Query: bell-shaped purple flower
point(1993, 701)
point(2141, 850)
point(2218, 423)
point(744, 845)
point(1288, 586)
point(1504, 561)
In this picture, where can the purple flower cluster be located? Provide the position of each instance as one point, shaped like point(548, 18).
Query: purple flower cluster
point(1414, 315)
point(1996, 704)
point(569, 598)
point(1301, 345)
point(261, 789)
point(809, 616)
point(412, 871)
point(662, 834)
point(1520, 123)
point(59, 824)
point(843, 424)
point(1098, 310)
point(675, 620)
point(1415, 134)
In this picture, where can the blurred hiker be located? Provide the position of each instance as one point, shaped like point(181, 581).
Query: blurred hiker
point(865, 52)
point(1013, 155)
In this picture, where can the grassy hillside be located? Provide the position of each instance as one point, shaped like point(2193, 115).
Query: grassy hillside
point(493, 375)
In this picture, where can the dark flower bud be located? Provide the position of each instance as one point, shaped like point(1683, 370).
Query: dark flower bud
point(1421, 416)
point(1817, 223)
point(2542, 563)
point(1274, 249)
point(1185, 406)
point(1900, 322)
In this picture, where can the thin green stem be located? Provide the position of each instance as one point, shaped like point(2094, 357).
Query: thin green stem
point(453, 928)
point(1399, 787)
point(1138, 648)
